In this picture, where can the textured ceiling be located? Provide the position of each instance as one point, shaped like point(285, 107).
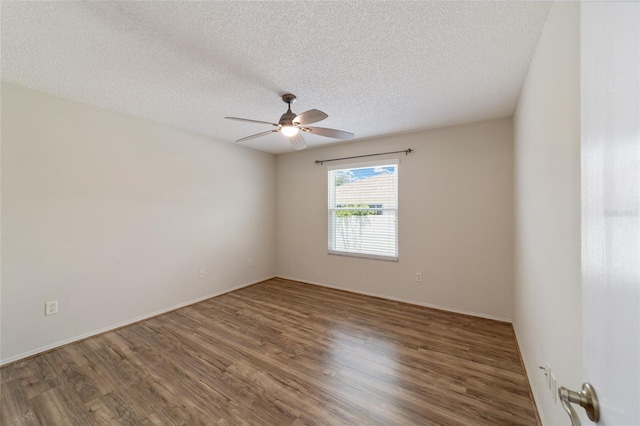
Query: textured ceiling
point(376, 68)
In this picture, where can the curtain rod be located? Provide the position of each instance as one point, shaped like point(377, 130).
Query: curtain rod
point(406, 152)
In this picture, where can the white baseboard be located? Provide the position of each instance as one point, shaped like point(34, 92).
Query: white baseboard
point(399, 299)
point(123, 323)
point(529, 377)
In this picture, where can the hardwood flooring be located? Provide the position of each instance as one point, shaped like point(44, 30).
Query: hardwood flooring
point(279, 353)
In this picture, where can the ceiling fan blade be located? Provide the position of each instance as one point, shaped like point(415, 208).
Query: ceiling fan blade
point(257, 135)
point(251, 121)
point(308, 117)
point(330, 133)
point(298, 141)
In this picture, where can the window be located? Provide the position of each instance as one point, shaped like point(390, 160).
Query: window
point(363, 210)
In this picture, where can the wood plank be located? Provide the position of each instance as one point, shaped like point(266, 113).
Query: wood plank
point(280, 353)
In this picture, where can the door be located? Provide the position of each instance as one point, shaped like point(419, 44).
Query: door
point(610, 58)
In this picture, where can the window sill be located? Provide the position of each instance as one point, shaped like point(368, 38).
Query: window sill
point(363, 256)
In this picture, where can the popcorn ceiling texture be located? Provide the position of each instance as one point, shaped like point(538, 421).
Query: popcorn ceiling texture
point(375, 67)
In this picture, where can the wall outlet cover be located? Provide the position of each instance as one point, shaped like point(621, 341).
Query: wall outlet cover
point(51, 308)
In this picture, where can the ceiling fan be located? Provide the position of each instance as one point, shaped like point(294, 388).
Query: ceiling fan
point(291, 125)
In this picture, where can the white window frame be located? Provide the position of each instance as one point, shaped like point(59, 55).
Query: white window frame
point(331, 210)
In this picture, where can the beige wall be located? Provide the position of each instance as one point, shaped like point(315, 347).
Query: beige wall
point(114, 217)
point(547, 295)
point(455, 223)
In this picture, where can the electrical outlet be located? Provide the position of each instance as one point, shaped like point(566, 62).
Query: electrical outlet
point(201, 273)
point(250, 263)
point(51, 308)
point(418, 277)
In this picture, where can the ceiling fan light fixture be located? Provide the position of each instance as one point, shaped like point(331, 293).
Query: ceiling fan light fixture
point(289, 130)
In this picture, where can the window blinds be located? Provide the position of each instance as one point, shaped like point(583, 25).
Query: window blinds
point(363, 209)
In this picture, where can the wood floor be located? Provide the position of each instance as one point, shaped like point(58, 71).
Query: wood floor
point(279, 353)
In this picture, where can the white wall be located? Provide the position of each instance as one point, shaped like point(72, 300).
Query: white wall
point(455, 220)
point(114, 217)
point(547, 291)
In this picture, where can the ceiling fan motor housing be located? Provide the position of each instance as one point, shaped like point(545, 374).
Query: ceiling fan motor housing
point(287, 118)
